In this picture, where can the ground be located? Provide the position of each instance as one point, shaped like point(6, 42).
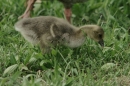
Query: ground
point(22, 64)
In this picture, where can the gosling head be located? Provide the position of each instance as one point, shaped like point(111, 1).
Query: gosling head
point(95, 32)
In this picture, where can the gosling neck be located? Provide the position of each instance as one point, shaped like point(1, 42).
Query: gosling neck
point(84, 30)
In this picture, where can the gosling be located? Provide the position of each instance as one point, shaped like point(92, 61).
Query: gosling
point(48, 31)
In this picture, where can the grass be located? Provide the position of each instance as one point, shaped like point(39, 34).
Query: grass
point(22, 64)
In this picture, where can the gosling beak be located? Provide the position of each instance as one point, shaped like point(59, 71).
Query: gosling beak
point(101, 42)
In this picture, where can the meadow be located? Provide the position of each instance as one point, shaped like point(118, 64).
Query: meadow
point(22, 64)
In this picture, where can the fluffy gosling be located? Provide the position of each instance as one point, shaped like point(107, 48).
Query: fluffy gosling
point(48, 31)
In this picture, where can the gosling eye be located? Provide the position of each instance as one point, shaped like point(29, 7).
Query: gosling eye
point(100, 35)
